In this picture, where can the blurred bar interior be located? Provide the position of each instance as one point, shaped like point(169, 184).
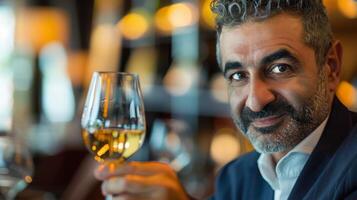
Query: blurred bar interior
point(49, 49)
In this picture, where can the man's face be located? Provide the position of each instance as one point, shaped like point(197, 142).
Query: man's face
point(278, 95)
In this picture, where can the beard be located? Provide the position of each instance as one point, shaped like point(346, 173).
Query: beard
point(296, 124)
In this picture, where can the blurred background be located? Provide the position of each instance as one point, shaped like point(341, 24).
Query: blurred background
point(49, 49)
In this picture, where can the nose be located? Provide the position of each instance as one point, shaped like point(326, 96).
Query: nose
point(260, 95)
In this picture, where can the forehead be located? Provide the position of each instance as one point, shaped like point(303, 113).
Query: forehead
point(252, 40)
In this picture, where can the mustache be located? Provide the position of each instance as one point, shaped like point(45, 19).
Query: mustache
point(278, 107)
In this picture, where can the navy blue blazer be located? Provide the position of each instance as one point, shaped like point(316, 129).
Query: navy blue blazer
point(330, 172)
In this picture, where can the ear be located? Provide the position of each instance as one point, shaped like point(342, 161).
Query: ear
point(334, 64)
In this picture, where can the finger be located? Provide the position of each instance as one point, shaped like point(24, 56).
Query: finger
point(148, 187)
point(129, 197)
point(132, 184)
point(106, 171)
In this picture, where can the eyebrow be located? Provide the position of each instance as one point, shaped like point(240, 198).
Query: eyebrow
point(231, 65)
point(279, 54)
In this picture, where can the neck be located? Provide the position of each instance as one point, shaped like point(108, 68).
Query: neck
point(278, 155)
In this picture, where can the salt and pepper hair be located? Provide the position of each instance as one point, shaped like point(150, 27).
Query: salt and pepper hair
point(317, 29)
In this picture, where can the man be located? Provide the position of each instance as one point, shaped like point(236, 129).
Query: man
point(282, 68)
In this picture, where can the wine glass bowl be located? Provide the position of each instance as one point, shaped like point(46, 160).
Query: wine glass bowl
point(170, 143)
point(113, 120)
point(16, 167)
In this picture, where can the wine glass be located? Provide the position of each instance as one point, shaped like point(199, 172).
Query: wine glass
point(169, 143)
point(113, 120)
point(16, 167)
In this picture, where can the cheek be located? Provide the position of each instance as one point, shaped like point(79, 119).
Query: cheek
point(236, 98)
point(298, 93)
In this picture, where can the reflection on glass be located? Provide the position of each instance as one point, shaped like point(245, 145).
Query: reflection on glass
point(16, 167)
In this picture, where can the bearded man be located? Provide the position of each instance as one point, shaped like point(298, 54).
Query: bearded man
point(282, 67)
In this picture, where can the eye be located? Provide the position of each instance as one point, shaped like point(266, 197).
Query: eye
point(238, 76)
point(280, 68)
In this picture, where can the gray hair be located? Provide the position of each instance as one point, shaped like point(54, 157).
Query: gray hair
point(317, 29)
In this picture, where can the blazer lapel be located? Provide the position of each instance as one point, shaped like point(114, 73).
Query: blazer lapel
point(336, 130)
point(259, 189)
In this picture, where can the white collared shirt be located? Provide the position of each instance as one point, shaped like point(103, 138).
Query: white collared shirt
point(283, 177)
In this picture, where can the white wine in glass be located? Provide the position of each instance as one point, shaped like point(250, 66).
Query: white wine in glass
point(113, 120)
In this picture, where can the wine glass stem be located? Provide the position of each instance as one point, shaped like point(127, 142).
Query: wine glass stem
point(10, 196)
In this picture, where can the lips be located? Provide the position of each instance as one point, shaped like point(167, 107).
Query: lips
point(267, 121)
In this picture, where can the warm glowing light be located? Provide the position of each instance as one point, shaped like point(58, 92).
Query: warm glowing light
point(347, 94)
point(105, 48)
point(115, 134)
point(175, 16)
point(225, 146)
point(120, 146)
point(103, 150)
point(107, 97)
point(98, 159)
point(219, 88)
point(28, 179)
point(348, 8)
point(179, 79)
point(208, 17)
point(162, 21)
point(77, 62)
point(181, 15)
point(330, 5)
point(133, 26)
point(39, 26)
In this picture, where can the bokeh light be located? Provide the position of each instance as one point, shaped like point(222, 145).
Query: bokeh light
point(180, 79)
point(162, 21)
point(348, 8)
point(133, 25)
point(225, 146)
point(175, 16)
point(347, 93)
point(208, 17)
point(182, 14)
point(47, 25)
